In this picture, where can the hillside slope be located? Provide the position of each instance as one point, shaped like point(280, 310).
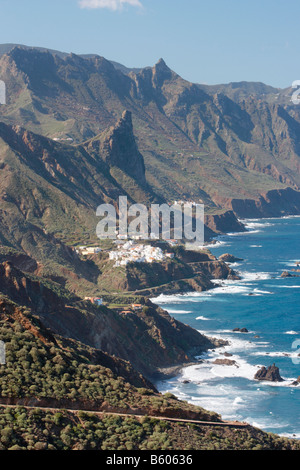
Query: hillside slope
point(45, 375)
point(213, 144)
point(149, 339)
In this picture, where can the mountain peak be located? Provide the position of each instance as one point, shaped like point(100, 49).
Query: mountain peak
point(117, 146)
point(161, 72)
point(126, 118)
point(162, 62)
point(162, 66)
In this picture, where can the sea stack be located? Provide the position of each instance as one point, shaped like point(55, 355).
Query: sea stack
point(270, 374)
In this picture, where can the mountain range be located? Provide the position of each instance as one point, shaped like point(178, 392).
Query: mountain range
point(233, 147)
point(78, 131)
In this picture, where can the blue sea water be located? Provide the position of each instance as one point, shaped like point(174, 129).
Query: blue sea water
point(269, 307)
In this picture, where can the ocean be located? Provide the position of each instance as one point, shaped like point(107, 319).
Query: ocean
point(269, 307)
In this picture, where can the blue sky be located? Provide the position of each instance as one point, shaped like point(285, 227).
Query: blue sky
point(204, 41)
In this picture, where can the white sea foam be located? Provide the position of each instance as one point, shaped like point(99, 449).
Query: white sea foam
point(240, 287)
point(239, 234)
point(257, 291)
point(221, 401)
point(234, 265)
point(231, 289)
point(290, 435)
point(278, 354)
point(252, 226)
point(254, 223)
point(267, 423)
point(217, 243)
point(218, 387)
point(178, 312)
point(291, 262)
point(222, 286)
point(290, 287)
point(254, 276)
point(167, 299)
point(212, 390)
point(208, 371)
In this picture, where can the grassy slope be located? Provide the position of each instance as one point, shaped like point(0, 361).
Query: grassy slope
point(22, 429)
point(54, 372)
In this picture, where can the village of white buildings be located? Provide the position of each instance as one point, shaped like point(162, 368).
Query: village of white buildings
point(132, 251)
point(138, 253)
point(128, 251)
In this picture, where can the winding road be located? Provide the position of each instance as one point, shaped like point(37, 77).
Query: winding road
point(228, 424)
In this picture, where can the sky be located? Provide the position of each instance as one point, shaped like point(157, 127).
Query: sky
point(204, 41)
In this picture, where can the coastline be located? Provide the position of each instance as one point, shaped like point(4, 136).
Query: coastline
point(166, 373)
point(178, 372)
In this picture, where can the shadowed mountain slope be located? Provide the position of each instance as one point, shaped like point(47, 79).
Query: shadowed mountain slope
point(209, 144)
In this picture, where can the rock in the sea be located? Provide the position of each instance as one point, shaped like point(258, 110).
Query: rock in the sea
point(224, 362)
point(241, 330)
point(287, 274)
point(296, 382)
point(270, 374)
point(227, 258)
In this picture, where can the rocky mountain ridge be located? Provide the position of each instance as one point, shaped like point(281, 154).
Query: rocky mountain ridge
point(190, 136)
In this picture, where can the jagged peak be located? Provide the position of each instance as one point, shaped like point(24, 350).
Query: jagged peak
point(162, 66)
point(126, 118)
point(161, 62)
point(118, 147)
point(161, 72)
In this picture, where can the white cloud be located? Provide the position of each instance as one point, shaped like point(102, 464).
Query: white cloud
point(113, 5)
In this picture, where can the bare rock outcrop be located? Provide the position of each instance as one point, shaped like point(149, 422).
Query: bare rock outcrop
point(225, 362)
point(270, 374)
point(228, 258)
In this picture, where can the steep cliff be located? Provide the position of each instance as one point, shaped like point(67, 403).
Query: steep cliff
point(149, 339)
point(210, 144)
point(188, 271)
point(118, 148)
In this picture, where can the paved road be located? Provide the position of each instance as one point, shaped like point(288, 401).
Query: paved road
point(229, 424)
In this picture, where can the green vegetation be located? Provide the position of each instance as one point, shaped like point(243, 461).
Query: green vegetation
point(198, 144)
point(68, 371)
point(50, 371)
point(47, 371)
point(37, 429)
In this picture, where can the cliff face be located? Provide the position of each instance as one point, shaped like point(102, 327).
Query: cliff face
point(176, 277)
point(211, 144)
point(237, 154)
point(118, 148)
point(150, 339)
point(12, 314)
point(26, 291)
point(274, 203)
point(223, 223)
point(59, 189)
